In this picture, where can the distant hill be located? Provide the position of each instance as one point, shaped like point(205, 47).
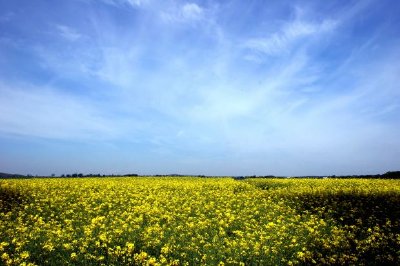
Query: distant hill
point(6, 175)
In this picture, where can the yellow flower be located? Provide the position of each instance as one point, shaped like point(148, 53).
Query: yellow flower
point(24, 255)
point(130, 247)
point(5, 256)
point(67, 246)
point(164, 250)
point(301, 255)
point(73, 256)
point(49, 247)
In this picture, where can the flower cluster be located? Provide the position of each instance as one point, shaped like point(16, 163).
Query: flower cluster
point(193, 221)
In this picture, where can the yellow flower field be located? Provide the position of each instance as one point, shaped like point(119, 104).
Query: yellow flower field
point(199, 221)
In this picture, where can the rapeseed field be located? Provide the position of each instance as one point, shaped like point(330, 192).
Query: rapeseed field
point(199, 221)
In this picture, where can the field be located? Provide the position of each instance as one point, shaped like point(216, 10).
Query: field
point(194, 221)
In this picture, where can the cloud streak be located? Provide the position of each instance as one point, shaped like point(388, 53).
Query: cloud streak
point(121, 3)
point(209, 88)
point(50, 114)
point(68, 33)
point(184, 13)
point(282, 42)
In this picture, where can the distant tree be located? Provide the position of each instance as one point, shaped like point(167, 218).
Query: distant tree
point(392, 175)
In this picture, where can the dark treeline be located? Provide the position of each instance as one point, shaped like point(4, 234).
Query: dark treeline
point(387, 175)
point(75, 175)
point(5, 175)
point(94, 175)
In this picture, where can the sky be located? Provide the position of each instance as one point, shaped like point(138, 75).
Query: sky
point(199, 87)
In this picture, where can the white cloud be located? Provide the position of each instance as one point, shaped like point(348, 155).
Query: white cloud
point(280, 42)
point(184, 13)
point(51, 114)
point(223, 105)
point(117, 67)
point(136, 2)
point(192, 11)
point(131, 3)
point(194, 97)
point(68, 33)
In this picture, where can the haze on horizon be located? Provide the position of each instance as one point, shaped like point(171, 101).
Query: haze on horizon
point(199, 87)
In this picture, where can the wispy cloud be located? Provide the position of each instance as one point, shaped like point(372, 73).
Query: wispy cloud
point(192, 11)
point(281, 42)
point(188, 12)
point(195, 85)
point(117, 68)
point(68, 33)
point(51, 114)
point(131, 3)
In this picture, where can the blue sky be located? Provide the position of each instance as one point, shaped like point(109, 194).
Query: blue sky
point(199, 87)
